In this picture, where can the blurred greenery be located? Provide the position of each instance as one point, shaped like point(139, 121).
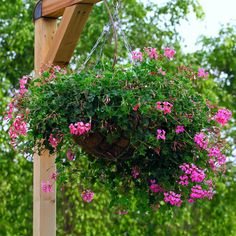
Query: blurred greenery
point(156, 29)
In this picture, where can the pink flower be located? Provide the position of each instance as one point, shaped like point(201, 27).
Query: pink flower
point(23, 82)
point(190, 200)
point(197, 192)
point(173, 198)
point(136, 107)
point(135, 172)
point(161, 134)
point(87, 195)
point(195, 174)
point(79, 128)
point(53, 141)
point(152, 53)
point(201, 140)
point(169, 53)
point(70, 155)
point(183, 180)
point(167, 107)
point(221, 159)
point(46, 187)
point(179, 129)
point(164, 106)
point(19, 127)
point(202, 73)
point(186, 168)
point(209, 182)
point(53, 176)
point(159, 106)
point(161, 72)
point(222, 116)
point(137, 56)
point(155, 188)
point(214, 152)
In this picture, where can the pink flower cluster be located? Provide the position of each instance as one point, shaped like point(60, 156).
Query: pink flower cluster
point(23, 82)
point(155, 188)
point(79, 128)
point(164, 106)
point(179, 129)
point(46, 187)
point(201, 140)
point(152, 53)
point(87, 195)
point(197, 193)
point(54, 141)
point(19, 127)
point(215, 152)
point(195, 174)
point(161, 134)
point(169, 53)
point(202, 73)
point(137, 56)
point(222, 116)
point(173, 198)
point(184, 180)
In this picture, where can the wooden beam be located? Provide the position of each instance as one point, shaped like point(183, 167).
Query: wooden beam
point(44, 216)
point(55, 8)
point(68, 33)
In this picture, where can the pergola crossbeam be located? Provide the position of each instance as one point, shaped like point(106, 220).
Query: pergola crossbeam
point(55, 8)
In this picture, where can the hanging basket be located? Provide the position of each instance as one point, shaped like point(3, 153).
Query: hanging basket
point(144, 128)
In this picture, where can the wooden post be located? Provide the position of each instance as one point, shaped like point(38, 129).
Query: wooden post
point(54, 47)
point(44, 217)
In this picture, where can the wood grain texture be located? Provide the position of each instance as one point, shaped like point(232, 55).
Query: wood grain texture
point(55, 8)
point(44, 215)
point(68, 33)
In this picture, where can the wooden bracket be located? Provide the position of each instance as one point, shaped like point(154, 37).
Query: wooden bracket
point(74, 17)
point(68, 33)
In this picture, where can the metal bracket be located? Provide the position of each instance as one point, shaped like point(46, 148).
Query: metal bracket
point(37, 11)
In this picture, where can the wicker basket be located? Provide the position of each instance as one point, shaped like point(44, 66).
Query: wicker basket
point(96, 145)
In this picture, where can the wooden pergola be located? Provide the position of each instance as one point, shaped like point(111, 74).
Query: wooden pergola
point(54, 44)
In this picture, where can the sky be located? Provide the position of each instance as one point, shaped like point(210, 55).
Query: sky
point(217, 12)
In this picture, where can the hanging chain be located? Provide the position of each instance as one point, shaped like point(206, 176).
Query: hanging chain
point(116, 24)
point(117, 6)
point(105, 31)
point(102, 47)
